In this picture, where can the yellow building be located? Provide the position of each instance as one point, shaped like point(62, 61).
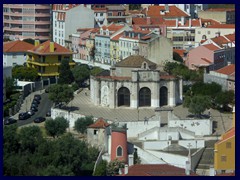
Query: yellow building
point(224, 151)
point(47, 57)
point(114, 48)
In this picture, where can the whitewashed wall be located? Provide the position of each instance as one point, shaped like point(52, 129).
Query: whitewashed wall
point(156, 145)
point(148, 158)
point(173, 159)
point(137, 127)
point(194, 144)
point(199, 126)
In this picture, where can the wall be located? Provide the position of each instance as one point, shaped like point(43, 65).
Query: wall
point(155, 145)
point(199, 126)
point(217, 16)
point(78, 17)
point(172, 159)
point(208, 78)
point(9, 60)
point(148, 158)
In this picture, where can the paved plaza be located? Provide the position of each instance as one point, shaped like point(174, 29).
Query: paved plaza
point(82, 104)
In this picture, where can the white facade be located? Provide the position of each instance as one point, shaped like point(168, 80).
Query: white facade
point(77, 17)
point(12, 59)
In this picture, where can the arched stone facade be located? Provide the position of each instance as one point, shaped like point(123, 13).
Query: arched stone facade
point(126, 86)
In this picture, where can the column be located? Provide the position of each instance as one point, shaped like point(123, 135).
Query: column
point(134, 95)
point(155, 95)
point(180, 90)
point(172, 99)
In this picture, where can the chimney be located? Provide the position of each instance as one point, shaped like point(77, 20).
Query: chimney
point(51, 47)
point(177, 22)
point(187, 168)
point(148, 20)
point(228, 63)
point(126, 169)
point(217, 34)
point(138, 36)
point(166, 8)
point(130, 159)
point(36, 42)
point(190, 23)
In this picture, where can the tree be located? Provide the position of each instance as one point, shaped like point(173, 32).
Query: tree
point(56, 127)
point(136, 158)
point(80, 73)
point(60, 93)
point(206, 89)
point(24, 73)
point(96, 70)
point(197, 104)
point(10, 139)
point(65, 74)
point(114, 166)
point(169, 66)
point(30, 137)
point(177, 57)
point(10, 86)
point(134, 6)
point(101, 169)
point(81, 124)
point(223, 99)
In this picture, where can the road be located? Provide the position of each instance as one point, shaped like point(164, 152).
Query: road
point(43, 107)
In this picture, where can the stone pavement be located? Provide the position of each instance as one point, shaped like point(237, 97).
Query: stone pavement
point(221, 122)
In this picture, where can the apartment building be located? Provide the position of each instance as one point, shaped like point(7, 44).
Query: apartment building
point(69, 17)
point(223, 15)
point(23, 21)
point(47, 57)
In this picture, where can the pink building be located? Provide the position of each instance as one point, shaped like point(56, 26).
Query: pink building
point(214, 53)
point(23, 21)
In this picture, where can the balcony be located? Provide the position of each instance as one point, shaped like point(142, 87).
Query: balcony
point(47, 64)
point(42, 14)
point(48, 74)
point(99, 18)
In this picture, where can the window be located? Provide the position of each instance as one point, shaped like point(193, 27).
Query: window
point(228, 145)
point(95, 132)
point(223, 158)
point(14, 56)
point(209, 32)
point(59, 58)
point(119, 151)
point(144, 65)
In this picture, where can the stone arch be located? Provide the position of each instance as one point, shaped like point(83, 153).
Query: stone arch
point(123, 97)
point(144, 98)
point(163, 94)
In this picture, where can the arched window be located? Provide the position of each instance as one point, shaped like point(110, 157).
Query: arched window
point(119, 151)
point(123, 97)
point(163, 94)
point(145, 97)
point(144, 66)
point(204, 37)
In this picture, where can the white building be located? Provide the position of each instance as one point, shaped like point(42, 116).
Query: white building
point(68, 18)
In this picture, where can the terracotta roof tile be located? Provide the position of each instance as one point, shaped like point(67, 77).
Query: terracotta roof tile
point(228, 70)
point(156, 170)
point(207, 60)
point(179, 51)
point(167, 77)
point(113, 27)
point(44, 48)
point(211, 47)
point(100, 123)
point(231, 37)
point(154, 11)
point(116, 38)
point(17, 46)
point(135, 61)
point(229, 134)
point(220, 40)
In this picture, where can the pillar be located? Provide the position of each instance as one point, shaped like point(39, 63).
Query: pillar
point(180, 90)
point(155, 95)
point(172, 99)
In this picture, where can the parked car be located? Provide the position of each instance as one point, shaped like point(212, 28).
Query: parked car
point(47, 90)
point(31, 112)
point(48, 114)
point(37, 97)
point(34, 108)
point(34, 104)
point(35, 101)
point(39, 119)
point(9, 121)
point(23, 116)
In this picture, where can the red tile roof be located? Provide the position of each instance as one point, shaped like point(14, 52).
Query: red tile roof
point(228, 70)
point(114, 78)
point(226, 26)
point(113, 27)
point(116, 38)
point(154, 11)
point(231, 37)
point(211, 47)
point(167, 77)
point(100, 123)
point(210, 22)
point(44, 48)
point(145, 21)
point(155, 170)
point(63, 7)
point(179, 51)
point(16, 46)
point(229, 134)
point(207, 60)
point(220, 40)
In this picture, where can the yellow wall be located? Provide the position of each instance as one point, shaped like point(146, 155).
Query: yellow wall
point(51, 64)
point(114, 44)
point(222, 150)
